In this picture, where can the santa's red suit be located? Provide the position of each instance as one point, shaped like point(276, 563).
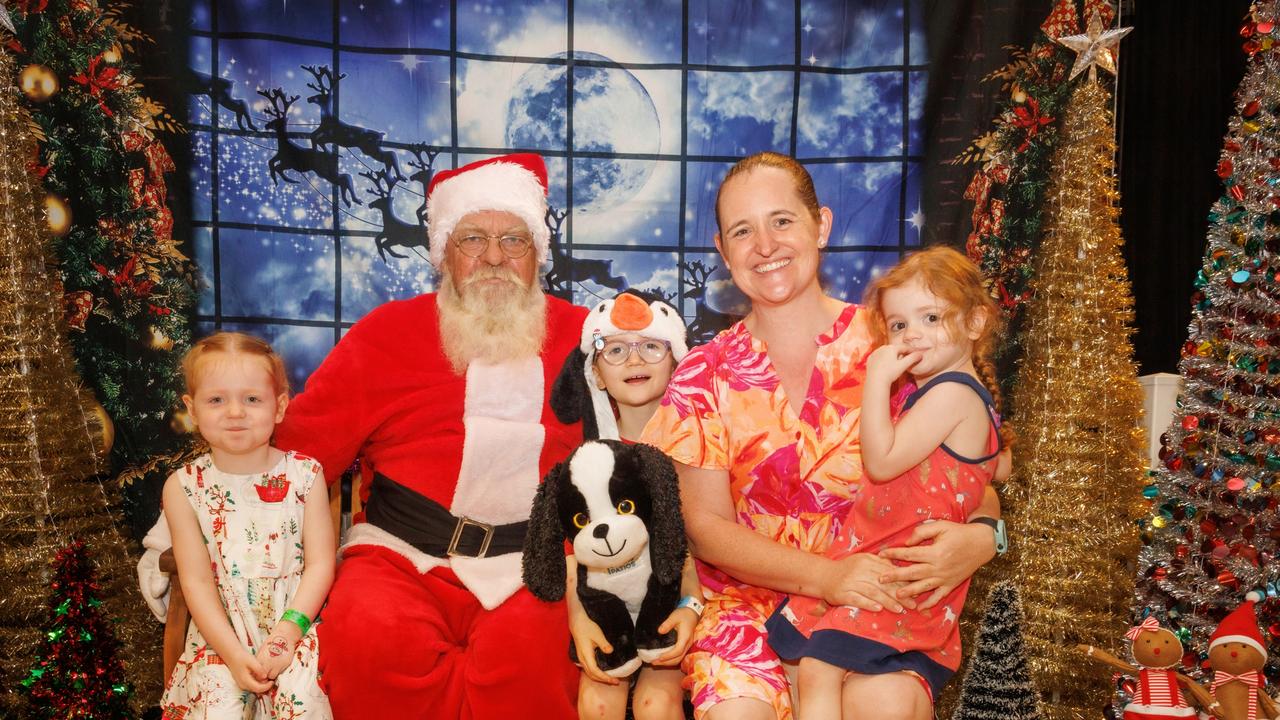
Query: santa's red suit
point(409, 634)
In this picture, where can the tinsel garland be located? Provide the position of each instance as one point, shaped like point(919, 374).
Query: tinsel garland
point(1213, 529)
point(128, 289)
point(49, 487)
point(1079, 460)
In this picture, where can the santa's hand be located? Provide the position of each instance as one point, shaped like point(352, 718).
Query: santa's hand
point(683, 620)
point(153, 582)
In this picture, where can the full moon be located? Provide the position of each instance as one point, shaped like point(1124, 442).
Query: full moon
point(612, 112)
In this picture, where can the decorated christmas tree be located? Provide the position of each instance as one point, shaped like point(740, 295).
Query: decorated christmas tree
point(127, 287)
point(77, 671)
point(50, 443)
point(998, 684)
point(1078, 459)
point(1213, 528)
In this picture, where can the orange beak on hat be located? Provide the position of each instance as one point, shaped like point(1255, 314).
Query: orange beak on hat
point(630, 313)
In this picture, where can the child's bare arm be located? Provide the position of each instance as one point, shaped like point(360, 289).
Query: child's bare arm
point(585, 633)
point(201, 591)
point(318, 557)
point(682, 620)
point(990, 505)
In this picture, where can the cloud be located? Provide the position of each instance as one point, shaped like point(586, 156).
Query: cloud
point(763, 97)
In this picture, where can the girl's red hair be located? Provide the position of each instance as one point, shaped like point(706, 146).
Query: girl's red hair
point(955, 280)
point(235, 343)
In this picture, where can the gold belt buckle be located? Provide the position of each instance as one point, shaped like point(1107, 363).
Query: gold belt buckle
point(452, 550)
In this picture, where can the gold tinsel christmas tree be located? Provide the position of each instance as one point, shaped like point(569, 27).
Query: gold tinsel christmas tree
point(1078, 461)
point(50, 487)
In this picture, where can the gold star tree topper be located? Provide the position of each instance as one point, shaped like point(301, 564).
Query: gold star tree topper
point(1095, 47)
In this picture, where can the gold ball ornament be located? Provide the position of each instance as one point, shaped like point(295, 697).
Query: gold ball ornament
point(160, 341)
point(100, 425)
point(182, 422)
point(112, 55)
point(58, 215)
point(37, 82)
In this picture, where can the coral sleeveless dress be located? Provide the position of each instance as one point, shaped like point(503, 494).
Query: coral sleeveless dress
point(944, 486)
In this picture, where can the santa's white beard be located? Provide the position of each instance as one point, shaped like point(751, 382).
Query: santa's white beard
point(492, 322)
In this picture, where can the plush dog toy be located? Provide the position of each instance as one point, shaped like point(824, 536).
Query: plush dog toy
point(619, 505)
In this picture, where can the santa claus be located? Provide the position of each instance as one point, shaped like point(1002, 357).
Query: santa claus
point(443, 397)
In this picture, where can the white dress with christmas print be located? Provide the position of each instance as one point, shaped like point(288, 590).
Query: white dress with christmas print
point(252, 525)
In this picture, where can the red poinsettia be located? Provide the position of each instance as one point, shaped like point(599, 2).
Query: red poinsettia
point(99, 78)
point(1028, 117)
point(126, 282)
point(26, 7)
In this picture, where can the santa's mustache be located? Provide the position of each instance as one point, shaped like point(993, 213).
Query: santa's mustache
point(481, 274)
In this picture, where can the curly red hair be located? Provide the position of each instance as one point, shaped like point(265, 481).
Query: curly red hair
point(955, 280)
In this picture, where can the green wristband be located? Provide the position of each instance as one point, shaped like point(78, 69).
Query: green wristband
point(302, 621)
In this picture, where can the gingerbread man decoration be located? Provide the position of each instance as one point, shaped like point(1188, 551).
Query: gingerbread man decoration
point(1237, 656)
point(1160, 687)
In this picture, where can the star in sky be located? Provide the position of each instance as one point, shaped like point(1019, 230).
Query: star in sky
point(1094, 48)
point(917, 219)
point(409, 62)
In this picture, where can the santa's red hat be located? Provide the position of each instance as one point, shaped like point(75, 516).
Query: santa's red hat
point(515, 183)
point(1240, 626)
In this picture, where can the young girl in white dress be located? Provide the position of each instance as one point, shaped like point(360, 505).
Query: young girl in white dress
point(253, 542)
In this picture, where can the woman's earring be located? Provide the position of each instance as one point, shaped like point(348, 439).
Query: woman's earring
point(822, 244)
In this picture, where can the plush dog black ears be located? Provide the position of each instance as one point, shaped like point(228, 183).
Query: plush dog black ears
point(544, 568)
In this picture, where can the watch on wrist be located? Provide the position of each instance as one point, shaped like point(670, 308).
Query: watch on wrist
point(1002, 540)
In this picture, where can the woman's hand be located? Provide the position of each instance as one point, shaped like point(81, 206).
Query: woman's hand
point(248, 672)
point(888, 362)
point(956, 553)
point(857, 580)
point(683, 620)
point(587, 636)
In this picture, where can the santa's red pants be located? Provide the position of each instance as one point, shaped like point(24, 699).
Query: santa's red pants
point(396, 643)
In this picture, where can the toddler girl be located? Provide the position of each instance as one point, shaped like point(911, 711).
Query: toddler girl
point(253, 542)
point(928, 455)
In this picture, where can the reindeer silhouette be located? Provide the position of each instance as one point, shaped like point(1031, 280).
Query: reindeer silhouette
point(423, 175)
point(565, 271)
point(394, 230)
point(706, 322)
point(291, 156)
point(332, 131)
point(219, 91)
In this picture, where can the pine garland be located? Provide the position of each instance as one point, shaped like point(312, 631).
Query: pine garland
point(128, 290)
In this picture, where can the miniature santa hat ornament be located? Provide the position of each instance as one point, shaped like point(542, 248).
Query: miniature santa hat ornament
point(515, 183)
point(1240, 626)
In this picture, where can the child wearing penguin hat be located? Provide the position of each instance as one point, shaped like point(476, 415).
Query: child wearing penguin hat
point(613, 382)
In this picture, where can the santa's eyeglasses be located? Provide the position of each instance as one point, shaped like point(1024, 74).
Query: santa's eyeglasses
point(474, 244)
point(616, 352)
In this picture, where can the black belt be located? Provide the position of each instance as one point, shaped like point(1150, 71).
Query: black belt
point(429, 527)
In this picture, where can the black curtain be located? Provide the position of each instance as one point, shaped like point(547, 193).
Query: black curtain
point(1178, 71)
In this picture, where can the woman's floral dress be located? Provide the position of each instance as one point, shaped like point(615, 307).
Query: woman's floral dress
point(792, 474)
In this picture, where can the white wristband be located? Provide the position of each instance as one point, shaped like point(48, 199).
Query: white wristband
point(691, 602)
